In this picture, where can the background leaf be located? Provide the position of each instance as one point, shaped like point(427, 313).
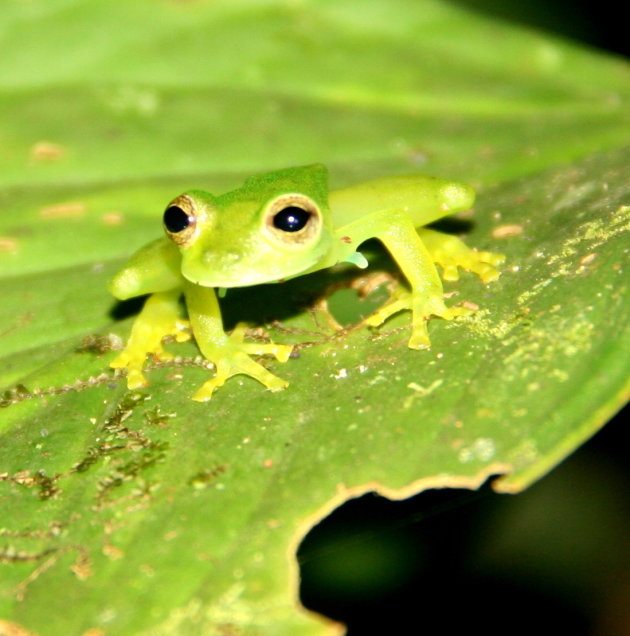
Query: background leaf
point(153, 514)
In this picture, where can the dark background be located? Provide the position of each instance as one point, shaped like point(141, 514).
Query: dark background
point(554, 559)
point(602, 25)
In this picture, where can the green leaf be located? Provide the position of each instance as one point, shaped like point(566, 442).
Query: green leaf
point(148, 513)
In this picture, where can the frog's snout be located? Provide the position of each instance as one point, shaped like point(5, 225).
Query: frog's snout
point(210, 257)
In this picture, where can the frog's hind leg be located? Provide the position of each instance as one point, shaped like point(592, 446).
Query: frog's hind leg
point(451, 253)
point(160, 317)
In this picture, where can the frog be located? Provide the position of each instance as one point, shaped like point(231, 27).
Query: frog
point(278, 226)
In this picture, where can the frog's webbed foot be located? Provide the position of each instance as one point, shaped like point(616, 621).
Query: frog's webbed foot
point(232, 358)
point(160, 317)
point(280, 352)
point(451, 253)
point(422, 306)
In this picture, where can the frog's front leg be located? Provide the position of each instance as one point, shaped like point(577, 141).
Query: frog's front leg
point(229, 354)
point(426, 298)
point(160, 317)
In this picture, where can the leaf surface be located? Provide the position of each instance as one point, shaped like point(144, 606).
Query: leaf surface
point(148, 513)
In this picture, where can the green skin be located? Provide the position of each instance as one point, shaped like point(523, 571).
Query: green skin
point(232, 241)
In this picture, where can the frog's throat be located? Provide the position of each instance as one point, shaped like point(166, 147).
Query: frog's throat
point(241, 278)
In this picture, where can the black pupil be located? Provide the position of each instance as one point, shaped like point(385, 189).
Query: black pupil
point(175, 219)
point(291, 219)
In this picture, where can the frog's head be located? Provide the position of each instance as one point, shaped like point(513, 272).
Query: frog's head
point(274, 227)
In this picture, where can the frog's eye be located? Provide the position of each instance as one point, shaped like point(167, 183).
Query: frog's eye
point(180, 221)
point(176, 220)
point(293, 219)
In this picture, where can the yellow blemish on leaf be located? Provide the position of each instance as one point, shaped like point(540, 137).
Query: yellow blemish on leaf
point(63, 211)
point(8, 244)
point(9, 628)
point(506, 231)
point(82, 567)
point(482, 449)
point(47, 151)
point(113, 552)
point(113, 218)
point(467, 304)
point(585, 261)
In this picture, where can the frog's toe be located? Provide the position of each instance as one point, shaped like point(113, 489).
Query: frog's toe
point(492, 258)
point(162, 355)
point(265, 377)
point(204, 393)
point(182, 336)
point(450, 271)
point(120, 361)
point(279, 351)
point(423, 309)
point(487, 273)
point(268, 379)
point(419, 337)
point(133, 364)
point(136, 379)
point(238, 362)
point(486, 264)
point(449, 313)
point(383, 313)
point(276, 384)
point(282, 352)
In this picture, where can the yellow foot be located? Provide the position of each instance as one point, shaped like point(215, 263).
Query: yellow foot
point(279, 351)
point(135, 377)
point(422, 309)
point(232, 358)
point(157, 320)
point(450, 253)
point(238, 363)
